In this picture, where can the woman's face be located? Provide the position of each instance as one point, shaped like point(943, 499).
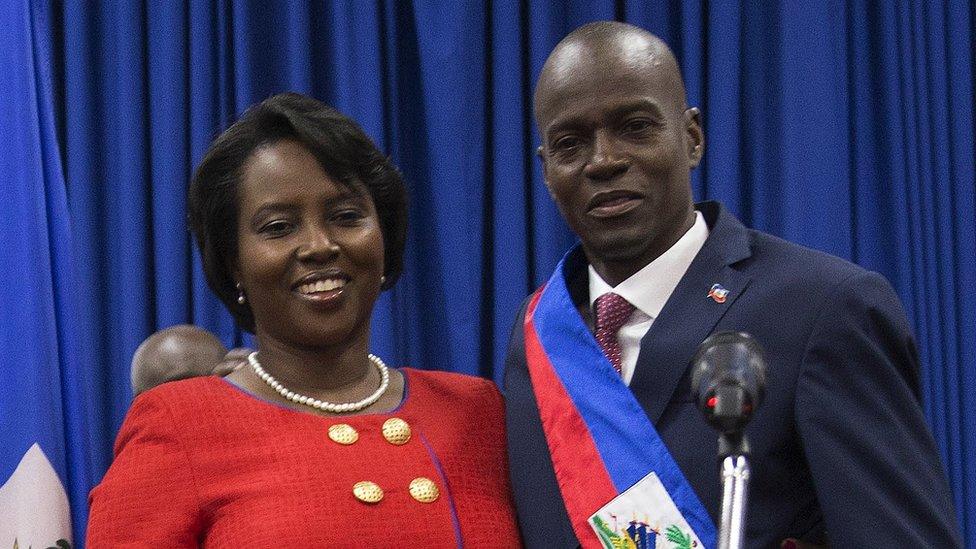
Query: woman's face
point(310, 250)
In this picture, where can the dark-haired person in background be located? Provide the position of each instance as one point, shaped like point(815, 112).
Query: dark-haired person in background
point(316, 443)
point(597, 384)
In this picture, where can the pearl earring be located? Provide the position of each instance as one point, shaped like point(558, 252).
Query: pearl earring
point(383, 279)
point(240, 294)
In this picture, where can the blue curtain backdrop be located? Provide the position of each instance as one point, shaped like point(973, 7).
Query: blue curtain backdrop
point(844, 126)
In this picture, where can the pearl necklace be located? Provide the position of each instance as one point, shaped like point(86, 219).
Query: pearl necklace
point(321, 404)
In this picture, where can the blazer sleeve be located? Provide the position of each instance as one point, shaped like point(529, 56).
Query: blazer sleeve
point(147, 497)
point(875, 466)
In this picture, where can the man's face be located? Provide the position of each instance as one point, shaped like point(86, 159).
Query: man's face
point(618, 146)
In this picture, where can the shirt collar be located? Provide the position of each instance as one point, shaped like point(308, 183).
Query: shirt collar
point(649, 288)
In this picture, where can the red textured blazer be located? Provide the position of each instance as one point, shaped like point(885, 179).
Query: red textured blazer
point(199, 462)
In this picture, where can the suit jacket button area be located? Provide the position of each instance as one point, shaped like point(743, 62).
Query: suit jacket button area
point(424, 490)
point(396, 431)
point(367, 492)
point(343, 434)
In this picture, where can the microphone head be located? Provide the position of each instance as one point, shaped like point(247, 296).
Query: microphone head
point(728, 379)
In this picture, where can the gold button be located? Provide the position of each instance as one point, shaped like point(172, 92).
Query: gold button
point(424, 490)
point(343, 434)
point(396, 431)
point(367, 492)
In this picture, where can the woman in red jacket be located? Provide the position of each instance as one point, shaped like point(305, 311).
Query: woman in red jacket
point(301, 223)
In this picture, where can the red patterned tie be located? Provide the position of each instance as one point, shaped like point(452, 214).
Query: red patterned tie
point(612, 312)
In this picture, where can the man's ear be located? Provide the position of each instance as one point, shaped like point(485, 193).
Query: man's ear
point(696, 137)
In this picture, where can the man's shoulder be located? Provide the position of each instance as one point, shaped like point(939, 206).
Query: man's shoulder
point(761, 253)
point(810, 286)
point(791, 275)
point(772, 253)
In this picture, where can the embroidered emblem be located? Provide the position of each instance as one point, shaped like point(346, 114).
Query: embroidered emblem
point(638, 534)
point(643, 517)
point(718, 293)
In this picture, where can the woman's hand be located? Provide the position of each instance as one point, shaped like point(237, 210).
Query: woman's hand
point(234, 359)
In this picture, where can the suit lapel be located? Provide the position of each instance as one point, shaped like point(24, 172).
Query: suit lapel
point(690, 313)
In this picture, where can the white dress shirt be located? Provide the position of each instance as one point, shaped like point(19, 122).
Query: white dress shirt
point(648, 290)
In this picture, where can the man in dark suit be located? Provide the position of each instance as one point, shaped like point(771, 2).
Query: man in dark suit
point(840, 449)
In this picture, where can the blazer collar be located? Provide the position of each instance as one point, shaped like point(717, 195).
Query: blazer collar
point(692, 312)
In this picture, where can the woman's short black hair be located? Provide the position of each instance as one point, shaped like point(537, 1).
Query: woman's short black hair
point(339, 145)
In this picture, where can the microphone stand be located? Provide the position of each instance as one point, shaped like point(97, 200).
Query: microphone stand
point(733, 450)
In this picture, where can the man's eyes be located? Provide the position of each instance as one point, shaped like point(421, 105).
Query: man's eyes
point(632, 128)
point(566, 143)
point(638, 126)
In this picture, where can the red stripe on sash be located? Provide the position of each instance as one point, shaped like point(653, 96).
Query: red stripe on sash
point(580, 472)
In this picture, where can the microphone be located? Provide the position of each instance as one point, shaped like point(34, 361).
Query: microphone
point(728, 380)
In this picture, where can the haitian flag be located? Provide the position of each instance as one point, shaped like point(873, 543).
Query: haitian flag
point(35, 295)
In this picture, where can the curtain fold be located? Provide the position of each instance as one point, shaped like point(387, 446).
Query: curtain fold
point(847, 127)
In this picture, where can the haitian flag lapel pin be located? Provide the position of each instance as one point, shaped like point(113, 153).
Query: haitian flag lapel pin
point(718, 293)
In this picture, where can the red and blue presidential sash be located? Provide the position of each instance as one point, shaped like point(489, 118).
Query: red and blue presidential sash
point(599, 437)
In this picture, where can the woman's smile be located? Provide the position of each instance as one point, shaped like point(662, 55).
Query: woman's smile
point(322, 288)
